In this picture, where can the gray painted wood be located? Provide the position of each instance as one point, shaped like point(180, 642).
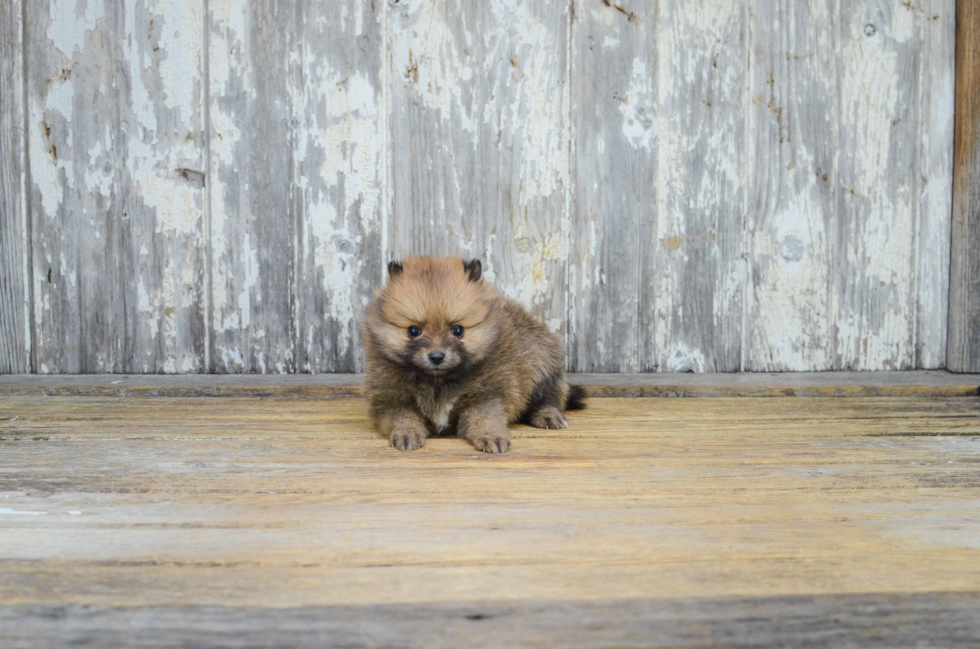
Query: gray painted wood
point(935, 175)
point(613, 253)
point(479, 134)
point(874, 300)
point(649, 179)
point(253, 229)
point(964, 293)
point(297, 161)
point(337, 85)
point(701, 186)
point(15, 336)
point(792, 215)
point(831, 621)
point(116, 179)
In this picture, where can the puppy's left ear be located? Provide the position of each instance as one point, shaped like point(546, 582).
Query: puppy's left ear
point(394, 269)
point(473, 269)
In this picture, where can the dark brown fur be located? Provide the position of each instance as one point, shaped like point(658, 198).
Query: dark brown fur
point(507, 367)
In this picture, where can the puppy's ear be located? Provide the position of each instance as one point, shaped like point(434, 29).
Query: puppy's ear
point(473, 269)
point(394, 269)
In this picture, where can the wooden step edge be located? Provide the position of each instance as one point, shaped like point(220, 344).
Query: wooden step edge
point(921, 383)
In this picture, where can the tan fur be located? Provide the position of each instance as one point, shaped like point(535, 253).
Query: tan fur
point(505, 361)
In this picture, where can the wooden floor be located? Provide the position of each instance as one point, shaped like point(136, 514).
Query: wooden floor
point(132, 521)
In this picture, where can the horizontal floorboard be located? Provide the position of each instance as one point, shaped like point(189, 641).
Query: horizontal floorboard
point(946, 620)
point(922, 383)
point(132, 521)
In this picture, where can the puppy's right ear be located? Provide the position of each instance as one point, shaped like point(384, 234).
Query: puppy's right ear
point(473, 270)
point(394, 269)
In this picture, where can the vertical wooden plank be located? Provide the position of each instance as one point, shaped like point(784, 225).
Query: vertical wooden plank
point(253, 229)
point(612, 258)
point(935, 173)
point(480, 140)
point(297, 148)
point(874, 301)
point(700, 194)
point(116, 158)
point(964, 290)
point(791, 220)
point(336, 81)
point(15, 334)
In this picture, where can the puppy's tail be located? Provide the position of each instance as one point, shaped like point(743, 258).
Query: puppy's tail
point(576, 398)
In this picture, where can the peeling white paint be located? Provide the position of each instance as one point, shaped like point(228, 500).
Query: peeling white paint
point(699, 184)
point(425, 58)
point(340, 129)
point(682, 358)
point(936, 103)
point(637, 107)
point(503, 86)
point(46, 168)
point(610, 43)
point(875, 317)
point(228, 30)
point(180, 24)
point(791, 325)
point(489, 273)
point(250, 277)
point(533, 282)
point(544, 159)
point(68, 28)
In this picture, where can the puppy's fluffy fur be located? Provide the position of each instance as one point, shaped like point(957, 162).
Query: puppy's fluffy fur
point(498, 365)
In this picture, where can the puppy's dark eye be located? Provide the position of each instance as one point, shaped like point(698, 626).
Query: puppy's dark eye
point(414, 331)
point(458, 331)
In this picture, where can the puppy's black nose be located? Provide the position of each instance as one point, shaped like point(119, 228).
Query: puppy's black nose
point(436, 357)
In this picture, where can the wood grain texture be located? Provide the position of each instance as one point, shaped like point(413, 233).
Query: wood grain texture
point(297, 195)
point(253, 233)
point(116, 120)
point(704, 510)
point(613, 235)
point(15, 329)
point(934, 162)
point(700, 186)
point(820, 621)
point(710, 186)
point(792, 216)
point(479, 136)
point(338, 141)
point(874, 299)
point(964, 289)
point(915, 383)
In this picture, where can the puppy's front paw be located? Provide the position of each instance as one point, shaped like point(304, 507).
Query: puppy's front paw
point(491, 443)
point(407, 440)
point(548, 417)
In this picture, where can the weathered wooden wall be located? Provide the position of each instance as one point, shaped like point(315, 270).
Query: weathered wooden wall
point(15, 336)
point(964, 291)
point(207, 185)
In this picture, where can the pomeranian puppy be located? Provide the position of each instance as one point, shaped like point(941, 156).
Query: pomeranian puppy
point(448, 354)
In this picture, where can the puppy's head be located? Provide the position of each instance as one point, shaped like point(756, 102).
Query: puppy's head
point(433, 316)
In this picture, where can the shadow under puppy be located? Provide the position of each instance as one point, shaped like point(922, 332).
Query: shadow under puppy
point(448, 354)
